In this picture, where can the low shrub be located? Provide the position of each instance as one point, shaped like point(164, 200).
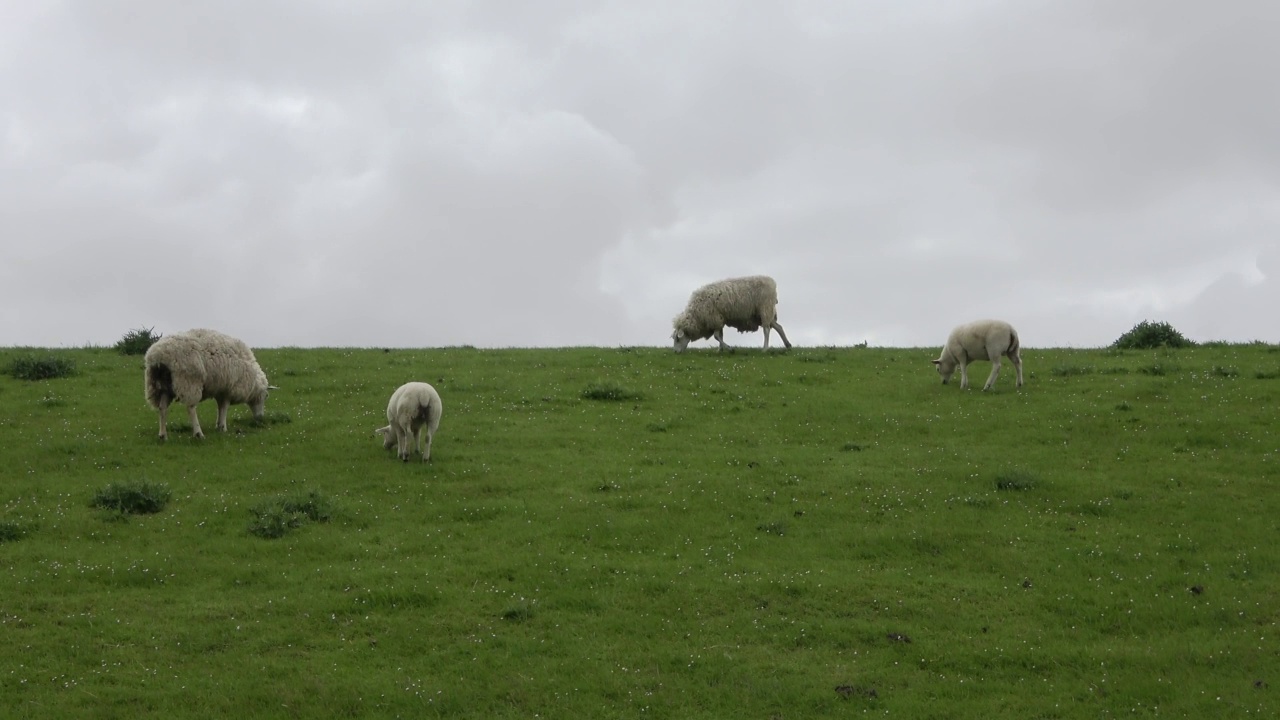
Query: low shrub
point(1148, 335)
point(31, 367)
point(137, 342)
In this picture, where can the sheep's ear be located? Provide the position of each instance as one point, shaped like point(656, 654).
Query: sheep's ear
point(273, 387)
point(936, 362)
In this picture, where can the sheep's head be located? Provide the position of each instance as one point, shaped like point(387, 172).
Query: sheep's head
point(680, 341)
point(681, 336)
point(945, 367)
point(258, 403)
point(388, 437)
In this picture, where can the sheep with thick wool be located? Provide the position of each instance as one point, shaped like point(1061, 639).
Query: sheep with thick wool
point(979, 340)
point(745, 304)
point(413, 407)
point(200, 364)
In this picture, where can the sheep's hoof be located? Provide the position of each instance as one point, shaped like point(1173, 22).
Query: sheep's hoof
point(198, 436)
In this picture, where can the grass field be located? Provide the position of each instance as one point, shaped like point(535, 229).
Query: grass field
point(633, 533)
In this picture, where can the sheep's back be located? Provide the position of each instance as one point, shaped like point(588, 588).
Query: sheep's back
point(223, 366)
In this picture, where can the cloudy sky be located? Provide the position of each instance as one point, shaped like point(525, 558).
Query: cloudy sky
point(565, 172)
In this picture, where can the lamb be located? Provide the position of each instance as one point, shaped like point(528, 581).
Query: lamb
point(200, 364)
point(979, 340)
point(412, 406)
point(744, 304)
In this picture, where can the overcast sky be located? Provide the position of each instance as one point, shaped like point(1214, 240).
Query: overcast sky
point(556, 172)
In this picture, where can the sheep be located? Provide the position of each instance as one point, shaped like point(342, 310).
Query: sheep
point(744, 304)
point(200, 364)
point(412, 406)
point(979, 340)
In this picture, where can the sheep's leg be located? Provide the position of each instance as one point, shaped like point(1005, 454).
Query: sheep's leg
point(782, 334)
point(164, 418)
point(426, 447)
point(406, 442)
point(223, 404)
point(719, 336)
point(995, 372)
point(1017, 364)
point(766, 337)
point(964, 374)
point(196, 432)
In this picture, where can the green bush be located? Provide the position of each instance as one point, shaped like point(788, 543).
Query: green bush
point(137, 342)
point(1148, 335)
point(134, 498)
point(49, 367)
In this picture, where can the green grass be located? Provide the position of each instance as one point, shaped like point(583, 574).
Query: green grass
point(825, 532)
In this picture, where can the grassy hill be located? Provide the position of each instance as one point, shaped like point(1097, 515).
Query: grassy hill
point(634, 533)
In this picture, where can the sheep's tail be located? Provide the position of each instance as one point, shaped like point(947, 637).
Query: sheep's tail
point(159, 385)
point(1014, 346)
point(426, 409)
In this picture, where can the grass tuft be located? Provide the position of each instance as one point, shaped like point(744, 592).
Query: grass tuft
point(11, 531)
point(778, 528)
point(521, 611)
point(278, 516)
point(271, 418)
point(1015, 480)
point(133, 498)
point(608, 390)
point(1071, 370)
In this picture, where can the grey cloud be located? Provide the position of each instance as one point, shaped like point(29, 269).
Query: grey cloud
point(507, 173)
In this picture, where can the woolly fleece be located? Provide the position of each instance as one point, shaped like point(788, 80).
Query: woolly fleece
point(745, 304)
point(199, 364)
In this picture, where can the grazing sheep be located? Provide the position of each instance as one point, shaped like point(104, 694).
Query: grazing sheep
point(412, 406)
point(980, 340)
point(745, 304)
point(200, 364)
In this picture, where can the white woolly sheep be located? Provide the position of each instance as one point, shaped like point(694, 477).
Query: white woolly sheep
point(412, 406)
point(745, 304)
point(200, 364)
point(979, 340)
